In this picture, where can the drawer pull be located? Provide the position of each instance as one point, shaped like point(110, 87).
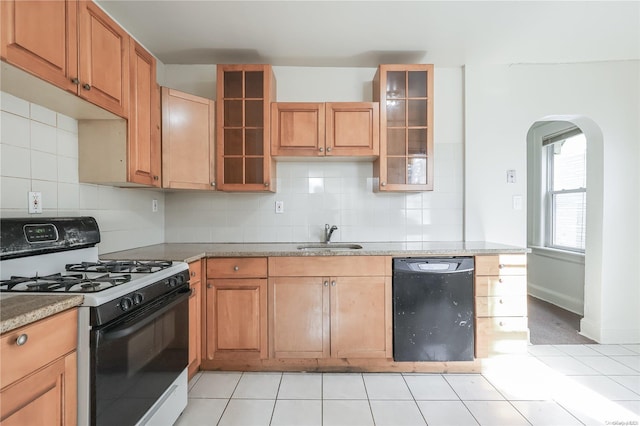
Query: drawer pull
point(501, 324)
point(22, 339)
point(193, 273)
point(500, 301)
point(500, 280)
point(326, 283)
point(333, 283)
point(209, 285)
point(501, 266)
point(236, 268)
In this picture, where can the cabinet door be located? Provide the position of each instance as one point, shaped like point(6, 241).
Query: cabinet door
point(48, 396)
point(236, 318)
point(188, 160)
point(41, 37)
point(195, 327)
point(299, 317)
point(405, 93)
point(244, 95)
point(297, 129)
point(104, 60)
point(143, 154)
point(352, 129)
point(361, 317)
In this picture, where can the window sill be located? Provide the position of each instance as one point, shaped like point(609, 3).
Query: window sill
point(565, 255)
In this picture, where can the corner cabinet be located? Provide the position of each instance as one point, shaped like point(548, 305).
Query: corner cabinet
point(405, 93)
point(244, 96)
point(188, 160)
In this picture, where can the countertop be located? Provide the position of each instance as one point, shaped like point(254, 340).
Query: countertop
point(17, 310)
point(189, 252)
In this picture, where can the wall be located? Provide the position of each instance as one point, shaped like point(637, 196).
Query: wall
point(334, 192)
point(39, 152)
point(501, 104)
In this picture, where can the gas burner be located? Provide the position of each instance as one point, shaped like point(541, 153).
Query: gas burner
point(132, 266)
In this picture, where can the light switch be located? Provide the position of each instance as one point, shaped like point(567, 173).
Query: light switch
point(517, 202)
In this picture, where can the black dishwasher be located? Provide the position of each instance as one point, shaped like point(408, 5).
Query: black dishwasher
point(433, 309)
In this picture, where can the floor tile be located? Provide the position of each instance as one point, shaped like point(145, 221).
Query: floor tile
point(629, 361)
point(301, 386)
point(577, 350)
point(490, 413)
point(202, 412)
point(611, 350)
point(598, 411)
point(343, 386)
point(258, 386)
point(567, 365)
point(545, 413)
point(631, 407)
point(247, 412)
point(396, 413)
point(431, 387)
point(473, 387)
point(606, 388)
point(215, 385)
point(634, 348)
point(606, 365)
point(545, 350)
point(194, 379)
point(630, 382)
point(346, 413)
point(446, 413)
point(386, 386)
point(288, 412)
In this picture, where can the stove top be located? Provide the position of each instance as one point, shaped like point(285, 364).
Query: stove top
point(120, 266)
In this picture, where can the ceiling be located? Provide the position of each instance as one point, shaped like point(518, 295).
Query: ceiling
point(367, 33)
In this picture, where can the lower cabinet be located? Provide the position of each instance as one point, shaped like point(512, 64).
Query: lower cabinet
point(342, 316)
point(38, 372)
point(195, 317)
point(236, 308)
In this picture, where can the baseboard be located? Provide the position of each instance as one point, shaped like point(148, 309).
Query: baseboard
point(571, 304)
point(609, 336)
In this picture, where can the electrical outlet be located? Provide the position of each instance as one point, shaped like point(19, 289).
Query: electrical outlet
point(35, 202)
point(511, 176)
point(154, 206)
point(279, 207)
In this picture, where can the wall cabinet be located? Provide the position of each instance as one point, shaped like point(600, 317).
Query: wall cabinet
point(244, 96)
point(324, 129)
point(236, 308)
point(347, 315)
point(405, 93)
point(188, 155)
point(501, 305)
point(39, 376)
point(71, 44)
point(195, 317)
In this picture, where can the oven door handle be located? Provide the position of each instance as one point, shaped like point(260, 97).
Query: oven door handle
point(156, 310)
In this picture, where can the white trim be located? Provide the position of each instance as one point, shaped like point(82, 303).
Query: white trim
point(554, 253)
point(571, 304)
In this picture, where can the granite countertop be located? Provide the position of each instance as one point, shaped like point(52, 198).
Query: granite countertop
point(189, 252)
point(17, 310)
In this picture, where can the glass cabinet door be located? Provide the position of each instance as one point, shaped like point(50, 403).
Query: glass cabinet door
point(405, 93)
point(244, 96)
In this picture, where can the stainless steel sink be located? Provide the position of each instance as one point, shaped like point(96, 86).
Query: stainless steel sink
point(329, 246)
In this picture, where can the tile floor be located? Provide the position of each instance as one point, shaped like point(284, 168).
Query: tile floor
point(553, 385)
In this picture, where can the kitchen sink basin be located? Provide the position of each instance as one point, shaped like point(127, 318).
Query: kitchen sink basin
point(330, 246)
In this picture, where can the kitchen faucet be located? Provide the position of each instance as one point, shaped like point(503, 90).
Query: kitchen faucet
point(328, 231)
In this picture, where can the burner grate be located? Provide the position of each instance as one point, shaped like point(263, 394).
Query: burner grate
point(59, 283)
point(120, 266)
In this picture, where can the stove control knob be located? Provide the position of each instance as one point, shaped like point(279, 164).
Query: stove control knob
point(126, 303)
point(172, 282)
point(180, 279)
point(137, 298)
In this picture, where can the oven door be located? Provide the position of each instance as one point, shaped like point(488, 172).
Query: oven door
point(135, 359)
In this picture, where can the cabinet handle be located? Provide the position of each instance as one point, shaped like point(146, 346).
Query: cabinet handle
point(383, 184)
point(500, 301)
point(22, 339)
point(326, 283)
point(75, 81)
point(500, 280)
point(321, 149)
point(209, 285)
point(501, 324)
point(329, 149)
point(236, 268)
point(500, 266)
point(193, 292)
point(86, 86)
point(333, 283)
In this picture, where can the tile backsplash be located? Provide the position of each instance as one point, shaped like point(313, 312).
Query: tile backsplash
point(39, 152)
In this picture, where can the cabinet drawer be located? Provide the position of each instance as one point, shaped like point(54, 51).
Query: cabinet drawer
point(502, 264)
point(322, 266)
point(241, 267)
point(195, 271)
point(501, 306)
point(47, 340)
point(501, 286)
point(501, 335)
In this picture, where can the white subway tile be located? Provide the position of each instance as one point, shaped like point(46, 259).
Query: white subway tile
point(67, 123)
point(43, 137)
point(49, 192)
point(68, 196)
point(67, 143)
point(67, 170)
point(14, 193)
point(43, 115)
point(44, 166)
point(15, 161)
point(14, 105)
point(88, 196)
point(15, 130)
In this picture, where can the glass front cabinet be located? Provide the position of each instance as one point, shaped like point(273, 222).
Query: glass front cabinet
point(405, 93)
point(244, 96)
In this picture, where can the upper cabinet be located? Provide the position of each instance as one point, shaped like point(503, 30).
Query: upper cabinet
point(71, 44)
point(319, 129)
point(244, 96)
point(187, 141)
point(405, 93)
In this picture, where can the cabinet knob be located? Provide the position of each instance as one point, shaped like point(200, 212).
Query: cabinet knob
point(329, 149)
point(500, 301)
point(193, 292)
point(383, 183)
point(193, 273)
point(75, 81)
point(321, 149)
point(500, 280)
point(155, 178)
point(236, 268)
point(22, 339)
point(209, 285)
point(326, 283)
point(500, 266)
point(86, 86)
point(213, 184)
point(333, 283)
point(266, 184)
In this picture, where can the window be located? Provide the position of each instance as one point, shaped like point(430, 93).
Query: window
point(566, 191)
